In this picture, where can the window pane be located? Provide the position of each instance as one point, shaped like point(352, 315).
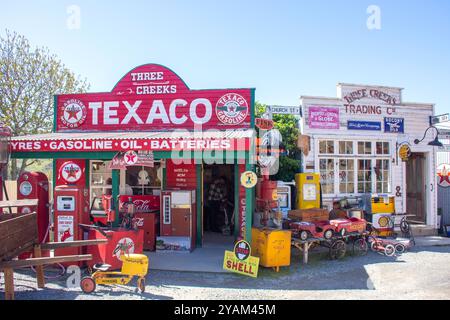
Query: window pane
point(327, 175)
point(330, 147)
point(322, 147)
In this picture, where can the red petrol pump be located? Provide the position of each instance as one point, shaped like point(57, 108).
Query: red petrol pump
point(71, 208)
point(34, 185)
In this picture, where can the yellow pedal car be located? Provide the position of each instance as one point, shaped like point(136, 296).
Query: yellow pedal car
point(132, 265)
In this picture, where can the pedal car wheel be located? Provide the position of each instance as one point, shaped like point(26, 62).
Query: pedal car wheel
point(373, 245)
point(337, 250)
point(87, 284)
point(400, 248)
point(360, 247)
point(328, 234)
point(304, 235)
point(141, 284)
point(389, 250)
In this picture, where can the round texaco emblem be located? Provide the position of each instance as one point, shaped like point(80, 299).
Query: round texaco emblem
point(130, 158)
point(73, 113)
point(71, 172)
point(232, 109)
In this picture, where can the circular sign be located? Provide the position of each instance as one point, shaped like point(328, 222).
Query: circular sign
point(26, 210)
point(404, 152)
point(130, 157)
point(71, 172)
point(249, 179)
point(242, 250)
point(383, 222)
point(124, 246)
point(25, 188)
point(73, 113)
point(443, 172)
point(232, 109)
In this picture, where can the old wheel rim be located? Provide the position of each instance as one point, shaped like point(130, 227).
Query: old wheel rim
point(87, 285)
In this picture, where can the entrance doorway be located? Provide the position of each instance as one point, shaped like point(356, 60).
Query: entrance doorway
point(218, 202)
point(415, 188)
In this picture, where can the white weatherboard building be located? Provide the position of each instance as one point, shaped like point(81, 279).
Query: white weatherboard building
point(355, 142)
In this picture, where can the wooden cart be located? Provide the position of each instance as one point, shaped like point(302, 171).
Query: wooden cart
point(18, 234)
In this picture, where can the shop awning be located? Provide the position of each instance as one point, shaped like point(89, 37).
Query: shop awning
point(226, 140)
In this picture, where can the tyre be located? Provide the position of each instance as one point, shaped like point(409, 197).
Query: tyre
point(400, 248)
point(389, 250)
point(360, 247)
point(141, 284)
point(337, 250)
point(373, 245)
point(87, 284)
point(328, 234)
point(304, 235)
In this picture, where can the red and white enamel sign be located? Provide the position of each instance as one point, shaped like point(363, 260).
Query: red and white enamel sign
point(152, 97)
point(71, 172)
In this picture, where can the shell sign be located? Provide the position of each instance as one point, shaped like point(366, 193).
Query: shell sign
point(152, 97)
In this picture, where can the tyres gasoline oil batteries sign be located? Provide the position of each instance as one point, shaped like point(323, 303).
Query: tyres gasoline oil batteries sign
point(240, 260)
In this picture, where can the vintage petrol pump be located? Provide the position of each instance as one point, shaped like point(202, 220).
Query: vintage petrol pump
point(34, 185)
point(308, 190)
point(71, 207)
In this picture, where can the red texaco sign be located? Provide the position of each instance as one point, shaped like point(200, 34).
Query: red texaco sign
point(152, 97)
point(443, 172)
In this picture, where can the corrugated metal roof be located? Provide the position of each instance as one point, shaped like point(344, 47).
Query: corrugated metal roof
point(209, 134)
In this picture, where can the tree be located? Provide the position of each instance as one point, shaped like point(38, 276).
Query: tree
point(288, 127)
point(29, 77)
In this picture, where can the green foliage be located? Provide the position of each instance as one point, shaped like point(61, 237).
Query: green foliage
point(288, 127)
point(29, 77)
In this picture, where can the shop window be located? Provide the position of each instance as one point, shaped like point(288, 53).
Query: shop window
point(346, 176)
point(100, 179)
point(326, 147)
point(142, 180)
point(364, 176)
point(364, 147)
point(382, 148)
point(327, 175)
point(382, 176)
point(345, 147)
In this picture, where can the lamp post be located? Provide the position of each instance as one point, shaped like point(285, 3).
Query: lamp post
point(435, 142)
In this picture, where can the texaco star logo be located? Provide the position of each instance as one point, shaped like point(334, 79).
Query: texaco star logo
point(73, 113)
point(71, 172)
point(232, 109)
point(130, 158)
point(443, 172)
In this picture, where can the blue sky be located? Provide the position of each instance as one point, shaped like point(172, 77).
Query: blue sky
point(284, 49)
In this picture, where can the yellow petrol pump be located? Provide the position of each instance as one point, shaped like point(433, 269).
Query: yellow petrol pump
point(308, 190)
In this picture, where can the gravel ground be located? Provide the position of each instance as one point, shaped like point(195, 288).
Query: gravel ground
point(422, 273)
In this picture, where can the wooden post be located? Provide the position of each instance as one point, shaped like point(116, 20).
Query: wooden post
point(9, 283)
point(305, 253)
point(39, 269)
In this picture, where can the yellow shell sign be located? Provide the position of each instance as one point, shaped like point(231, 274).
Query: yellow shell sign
point(404, 152)
point(249, 179)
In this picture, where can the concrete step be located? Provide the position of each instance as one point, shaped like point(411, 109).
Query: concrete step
point(421, 230)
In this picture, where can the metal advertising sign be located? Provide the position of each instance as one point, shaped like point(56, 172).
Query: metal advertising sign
point(443, 172)
point(240, 260)
point(323, 118)
point(364, 125)
point(394, 125)
point(264, 124)
point(152, 97)
point(404, 152)
point(249, 179)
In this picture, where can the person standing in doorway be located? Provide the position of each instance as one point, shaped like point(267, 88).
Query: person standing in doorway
point(216, 200)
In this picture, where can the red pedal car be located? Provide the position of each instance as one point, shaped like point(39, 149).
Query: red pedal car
point(327, 229)
point(350, 225)
point(319, 229)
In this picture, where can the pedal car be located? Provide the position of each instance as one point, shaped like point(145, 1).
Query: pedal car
point(132, 265)
point(350, 225)
point(319, 229)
